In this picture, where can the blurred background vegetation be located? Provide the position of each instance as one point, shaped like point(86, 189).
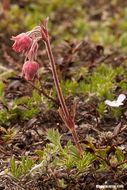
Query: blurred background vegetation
point(103, 22)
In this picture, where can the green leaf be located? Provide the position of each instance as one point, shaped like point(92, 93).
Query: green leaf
point(101, 107)
point(1, 89)
point(36, 96)
point(26, 164)
point(83, 163)
point(12, 165)
point(71, 149)
point(15, 169)
point(22, 100)
point(54, 137)
point(40, 153)
point(18, 172)
point(119, 154)
point(29, 113)
point(123, 40)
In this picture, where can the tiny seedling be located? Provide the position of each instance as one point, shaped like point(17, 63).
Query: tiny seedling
point(20, 168)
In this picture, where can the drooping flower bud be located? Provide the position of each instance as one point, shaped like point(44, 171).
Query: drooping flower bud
point(30, 69)
point(22, 42)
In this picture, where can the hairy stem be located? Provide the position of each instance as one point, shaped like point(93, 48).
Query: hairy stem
point(56, 80)
point(67, 118)
point(76, 140)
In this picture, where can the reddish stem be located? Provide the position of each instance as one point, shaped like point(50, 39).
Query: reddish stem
point(76, 140)
point(56, 80)
point(69, 121)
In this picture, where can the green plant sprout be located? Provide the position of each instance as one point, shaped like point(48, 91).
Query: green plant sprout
point(22, 168)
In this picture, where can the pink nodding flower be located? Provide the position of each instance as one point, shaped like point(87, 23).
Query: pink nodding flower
point(22, 42)
point(30, 69)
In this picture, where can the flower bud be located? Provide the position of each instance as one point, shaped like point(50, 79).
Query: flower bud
point(22, 42)
point(30, 69)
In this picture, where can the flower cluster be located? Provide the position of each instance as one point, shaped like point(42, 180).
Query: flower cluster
point(27, 43)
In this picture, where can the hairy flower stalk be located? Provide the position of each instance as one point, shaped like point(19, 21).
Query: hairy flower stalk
point(27, 43)
point(65, 115)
